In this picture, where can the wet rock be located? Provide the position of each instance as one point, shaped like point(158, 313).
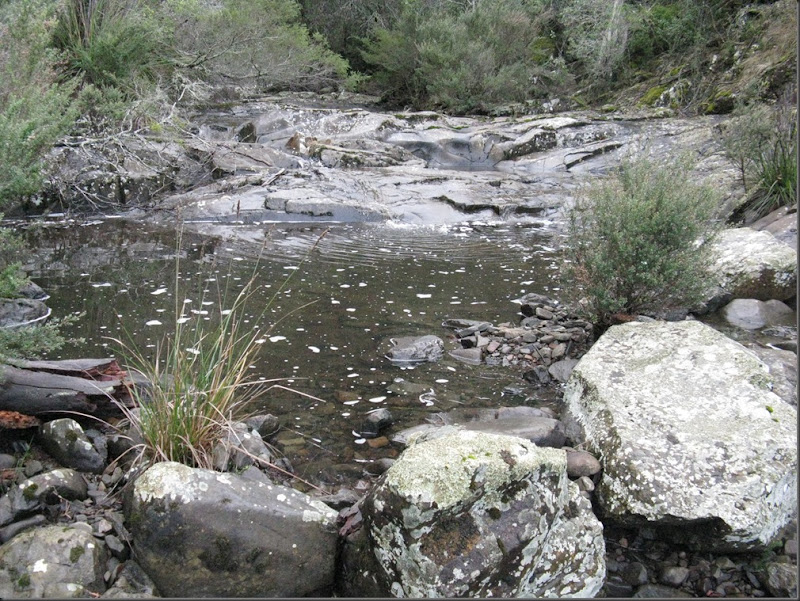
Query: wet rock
point(52, 561)
point(782, 366)
point(266, 425)
point(752, 314)
point(240, 448)
point(755, 265)
point(691, 438)
point(542, 431)
point(411, 350)
point(539, 375)
point(202, 533)
point(475, 514)
point(470, 356)
point(376, 421)
point(19, 312)
point(65, 440)
point(635, 574)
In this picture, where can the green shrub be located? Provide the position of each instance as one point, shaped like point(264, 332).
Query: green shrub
point(110, 43)
point(35, 109)
point(466, 56)
point(639, 241)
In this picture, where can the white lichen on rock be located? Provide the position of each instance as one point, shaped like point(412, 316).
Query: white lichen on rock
point(689, 432)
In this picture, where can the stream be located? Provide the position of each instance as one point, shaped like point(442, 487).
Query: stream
point(357, 228)
point(335, 303)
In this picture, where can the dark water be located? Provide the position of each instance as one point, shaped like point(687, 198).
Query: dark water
point(329, 299)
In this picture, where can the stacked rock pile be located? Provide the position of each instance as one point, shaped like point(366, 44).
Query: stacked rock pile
point(547, 332)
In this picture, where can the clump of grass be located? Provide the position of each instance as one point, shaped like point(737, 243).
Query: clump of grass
point(640, 241)
point(200, 380)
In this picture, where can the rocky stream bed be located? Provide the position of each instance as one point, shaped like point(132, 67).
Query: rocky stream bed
point(486, 442)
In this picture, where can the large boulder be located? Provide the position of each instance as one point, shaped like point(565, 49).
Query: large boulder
point(692, 440)
point(199, 533)
point(754, 264)
point(52, 561)
point(475, 514)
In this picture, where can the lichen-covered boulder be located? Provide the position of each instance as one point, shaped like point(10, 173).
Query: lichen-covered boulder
point(200, 533)
point(52, 561)
point(474, 514)
point(692, 440)
point(65, 440)
point(754, 264)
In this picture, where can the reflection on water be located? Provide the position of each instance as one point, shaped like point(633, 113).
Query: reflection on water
point(336, 302)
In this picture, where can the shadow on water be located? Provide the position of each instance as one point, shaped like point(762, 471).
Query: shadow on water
point(368, 283)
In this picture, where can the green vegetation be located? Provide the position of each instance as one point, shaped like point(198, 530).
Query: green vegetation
point(640, 241)
point(762, 142)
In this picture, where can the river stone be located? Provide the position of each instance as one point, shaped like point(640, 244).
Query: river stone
point(472, 514)
point(19, 312)
point(199, 533)
point(65, 440)
point(754, 264)
point(416, 350)
point(752, 314)
point(691, 438)
point(54, 561)
point(782, 366)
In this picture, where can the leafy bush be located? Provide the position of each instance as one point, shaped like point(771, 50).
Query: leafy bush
point(639, 241)
point(35, 110)
point(597, 34)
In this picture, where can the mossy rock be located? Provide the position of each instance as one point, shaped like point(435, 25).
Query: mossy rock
point(721, 102)
point(652, 95)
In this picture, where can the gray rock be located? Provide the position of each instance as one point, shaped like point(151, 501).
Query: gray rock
point(266, 425)
point(561, 370)
point(52, 560)
point(10, 531)
point(132, 583)
point(19, 312)
point(635, 574)
point(475, 514)
point(691, 438)
point(470, 356)
point(782, 366)
point(782, 580)
point(375, 421)
point(411, 350)
point(659, 591)
point(7, 461)
point(582, 463)
point(752, 314)
point(240, 448)
point(542, 431)
point(673, 576)
point(754, 264)
point(202, 533)
point(66, 483)
point(65, 440)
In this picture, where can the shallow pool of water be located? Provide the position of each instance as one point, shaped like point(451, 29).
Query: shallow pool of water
point(329, 299)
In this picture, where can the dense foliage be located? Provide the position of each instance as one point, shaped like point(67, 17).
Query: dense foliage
point(639, 241)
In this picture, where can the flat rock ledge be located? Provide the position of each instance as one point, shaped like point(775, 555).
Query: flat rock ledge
point(692, 440)
point(472, 514)
point(200, 533)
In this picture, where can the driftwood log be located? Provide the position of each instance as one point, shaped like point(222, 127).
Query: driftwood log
point(91, 386)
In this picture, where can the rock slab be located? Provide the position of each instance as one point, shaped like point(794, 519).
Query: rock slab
point(693, 441)
point(475, 514)
point(200, 533)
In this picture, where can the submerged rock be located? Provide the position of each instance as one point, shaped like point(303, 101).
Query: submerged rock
point(202, 533)
point(416, 350)
point(474, 514)
point(691, 437)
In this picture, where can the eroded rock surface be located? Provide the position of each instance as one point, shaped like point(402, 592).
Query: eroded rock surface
point(202, 533)
point(475, 514)
point(692, 438)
